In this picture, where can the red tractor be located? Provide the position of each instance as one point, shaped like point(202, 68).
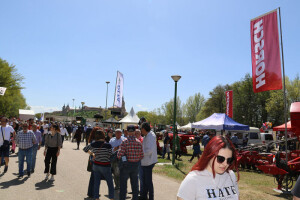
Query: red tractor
point(185, 140)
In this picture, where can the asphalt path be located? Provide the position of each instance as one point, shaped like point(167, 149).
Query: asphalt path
point(71, 181)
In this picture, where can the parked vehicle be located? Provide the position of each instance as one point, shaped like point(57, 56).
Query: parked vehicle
point(253, 136)
point(266, 138)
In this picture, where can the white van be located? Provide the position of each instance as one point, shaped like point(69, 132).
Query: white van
point(253, 136)
point(266, 138)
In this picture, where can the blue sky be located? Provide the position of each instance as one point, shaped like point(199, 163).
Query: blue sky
point(69, 49)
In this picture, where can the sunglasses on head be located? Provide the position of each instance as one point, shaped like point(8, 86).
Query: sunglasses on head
point(221, 159)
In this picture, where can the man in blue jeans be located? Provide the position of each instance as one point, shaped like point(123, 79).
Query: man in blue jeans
point(148, 162)
point(130, 154)
point(36, 146)
point(25, 140)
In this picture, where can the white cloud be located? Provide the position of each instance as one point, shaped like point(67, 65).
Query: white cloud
point(141, 107)
point(41, 109)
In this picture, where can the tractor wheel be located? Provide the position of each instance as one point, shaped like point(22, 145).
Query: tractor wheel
point(290, 182)
point(254, 167)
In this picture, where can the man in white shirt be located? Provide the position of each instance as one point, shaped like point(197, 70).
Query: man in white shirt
point(148, 162)
point(63, 133)
point(5, 131)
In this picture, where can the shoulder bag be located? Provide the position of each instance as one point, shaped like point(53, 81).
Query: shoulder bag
point(90, 162)
point(5, 142)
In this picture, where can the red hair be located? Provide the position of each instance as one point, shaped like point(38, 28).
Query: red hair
point(211, 151)
point(92, 135)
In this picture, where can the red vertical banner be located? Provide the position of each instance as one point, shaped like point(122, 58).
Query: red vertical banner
point(265, 53)
point(229, 104)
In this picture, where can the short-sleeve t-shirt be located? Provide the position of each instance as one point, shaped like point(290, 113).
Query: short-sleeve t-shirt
point(7, 130)
point(45, 127)
point(296, 189)
point(200, 185)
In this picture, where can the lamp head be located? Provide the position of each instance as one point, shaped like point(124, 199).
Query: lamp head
point(176, 78)
point(107, 82)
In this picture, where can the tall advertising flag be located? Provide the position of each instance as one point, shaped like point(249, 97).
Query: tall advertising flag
point(229, 104)
point(2, 90)
point(265, 53)
point(119, 90)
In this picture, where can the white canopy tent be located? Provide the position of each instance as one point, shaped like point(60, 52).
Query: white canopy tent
point(130, 119)
point(26, 114)
point(186, 127)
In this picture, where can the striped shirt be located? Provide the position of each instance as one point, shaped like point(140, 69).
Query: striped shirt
point(25, 140)
point(102, 152)
point(131, 148)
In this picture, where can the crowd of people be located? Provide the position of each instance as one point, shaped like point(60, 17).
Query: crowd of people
point(119, 155)
point(115, 159)
point(115, 156)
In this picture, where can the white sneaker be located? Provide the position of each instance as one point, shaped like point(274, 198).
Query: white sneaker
point(52, 178)
point(47, 176)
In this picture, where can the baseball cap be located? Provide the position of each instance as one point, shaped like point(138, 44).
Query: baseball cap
point(118, 130)
point(130, 128)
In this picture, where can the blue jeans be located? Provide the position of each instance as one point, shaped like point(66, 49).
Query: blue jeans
point(140, 178)
point(100, 171)
point(131, 170)
point(147, 181)
point(91, 185)
point(34, 151)
point(21, 155)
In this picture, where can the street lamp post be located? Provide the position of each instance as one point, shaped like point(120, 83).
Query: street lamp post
point(82, 104)
point(176, 79)
point(73, 109)
point(107, 82)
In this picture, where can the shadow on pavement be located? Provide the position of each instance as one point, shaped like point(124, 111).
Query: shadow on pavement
point(44, 184)
point(13, 182)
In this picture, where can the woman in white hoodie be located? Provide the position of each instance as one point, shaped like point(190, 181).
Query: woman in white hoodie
point(212, 176)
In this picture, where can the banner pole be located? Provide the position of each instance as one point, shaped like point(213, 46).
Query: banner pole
point(115, 90)
point(284, 98)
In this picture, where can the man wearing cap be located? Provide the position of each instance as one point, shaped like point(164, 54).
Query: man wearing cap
point(130, 154)
point(148, 162)
point(115, 142)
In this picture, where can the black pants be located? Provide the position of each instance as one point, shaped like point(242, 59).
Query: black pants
point(62, 139)
point(78, 143)
point(51, 155)
point(195, 155)
point(177, 154)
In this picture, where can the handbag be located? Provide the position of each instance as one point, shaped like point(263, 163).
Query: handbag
point(90, 164)
point(5, 142)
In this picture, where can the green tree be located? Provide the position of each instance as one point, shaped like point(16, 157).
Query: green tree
point(215, 103)
point(168, 110)
point(275, 107)
point(293, 89)
point(193, 106)
point(13, 100)
point(38, 115)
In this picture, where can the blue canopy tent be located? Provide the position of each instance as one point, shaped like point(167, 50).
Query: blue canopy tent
point(219, 121)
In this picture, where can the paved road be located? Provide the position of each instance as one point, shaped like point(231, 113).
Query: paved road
point(70, 183)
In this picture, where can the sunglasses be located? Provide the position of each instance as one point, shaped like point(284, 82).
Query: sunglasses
point(221, 159)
